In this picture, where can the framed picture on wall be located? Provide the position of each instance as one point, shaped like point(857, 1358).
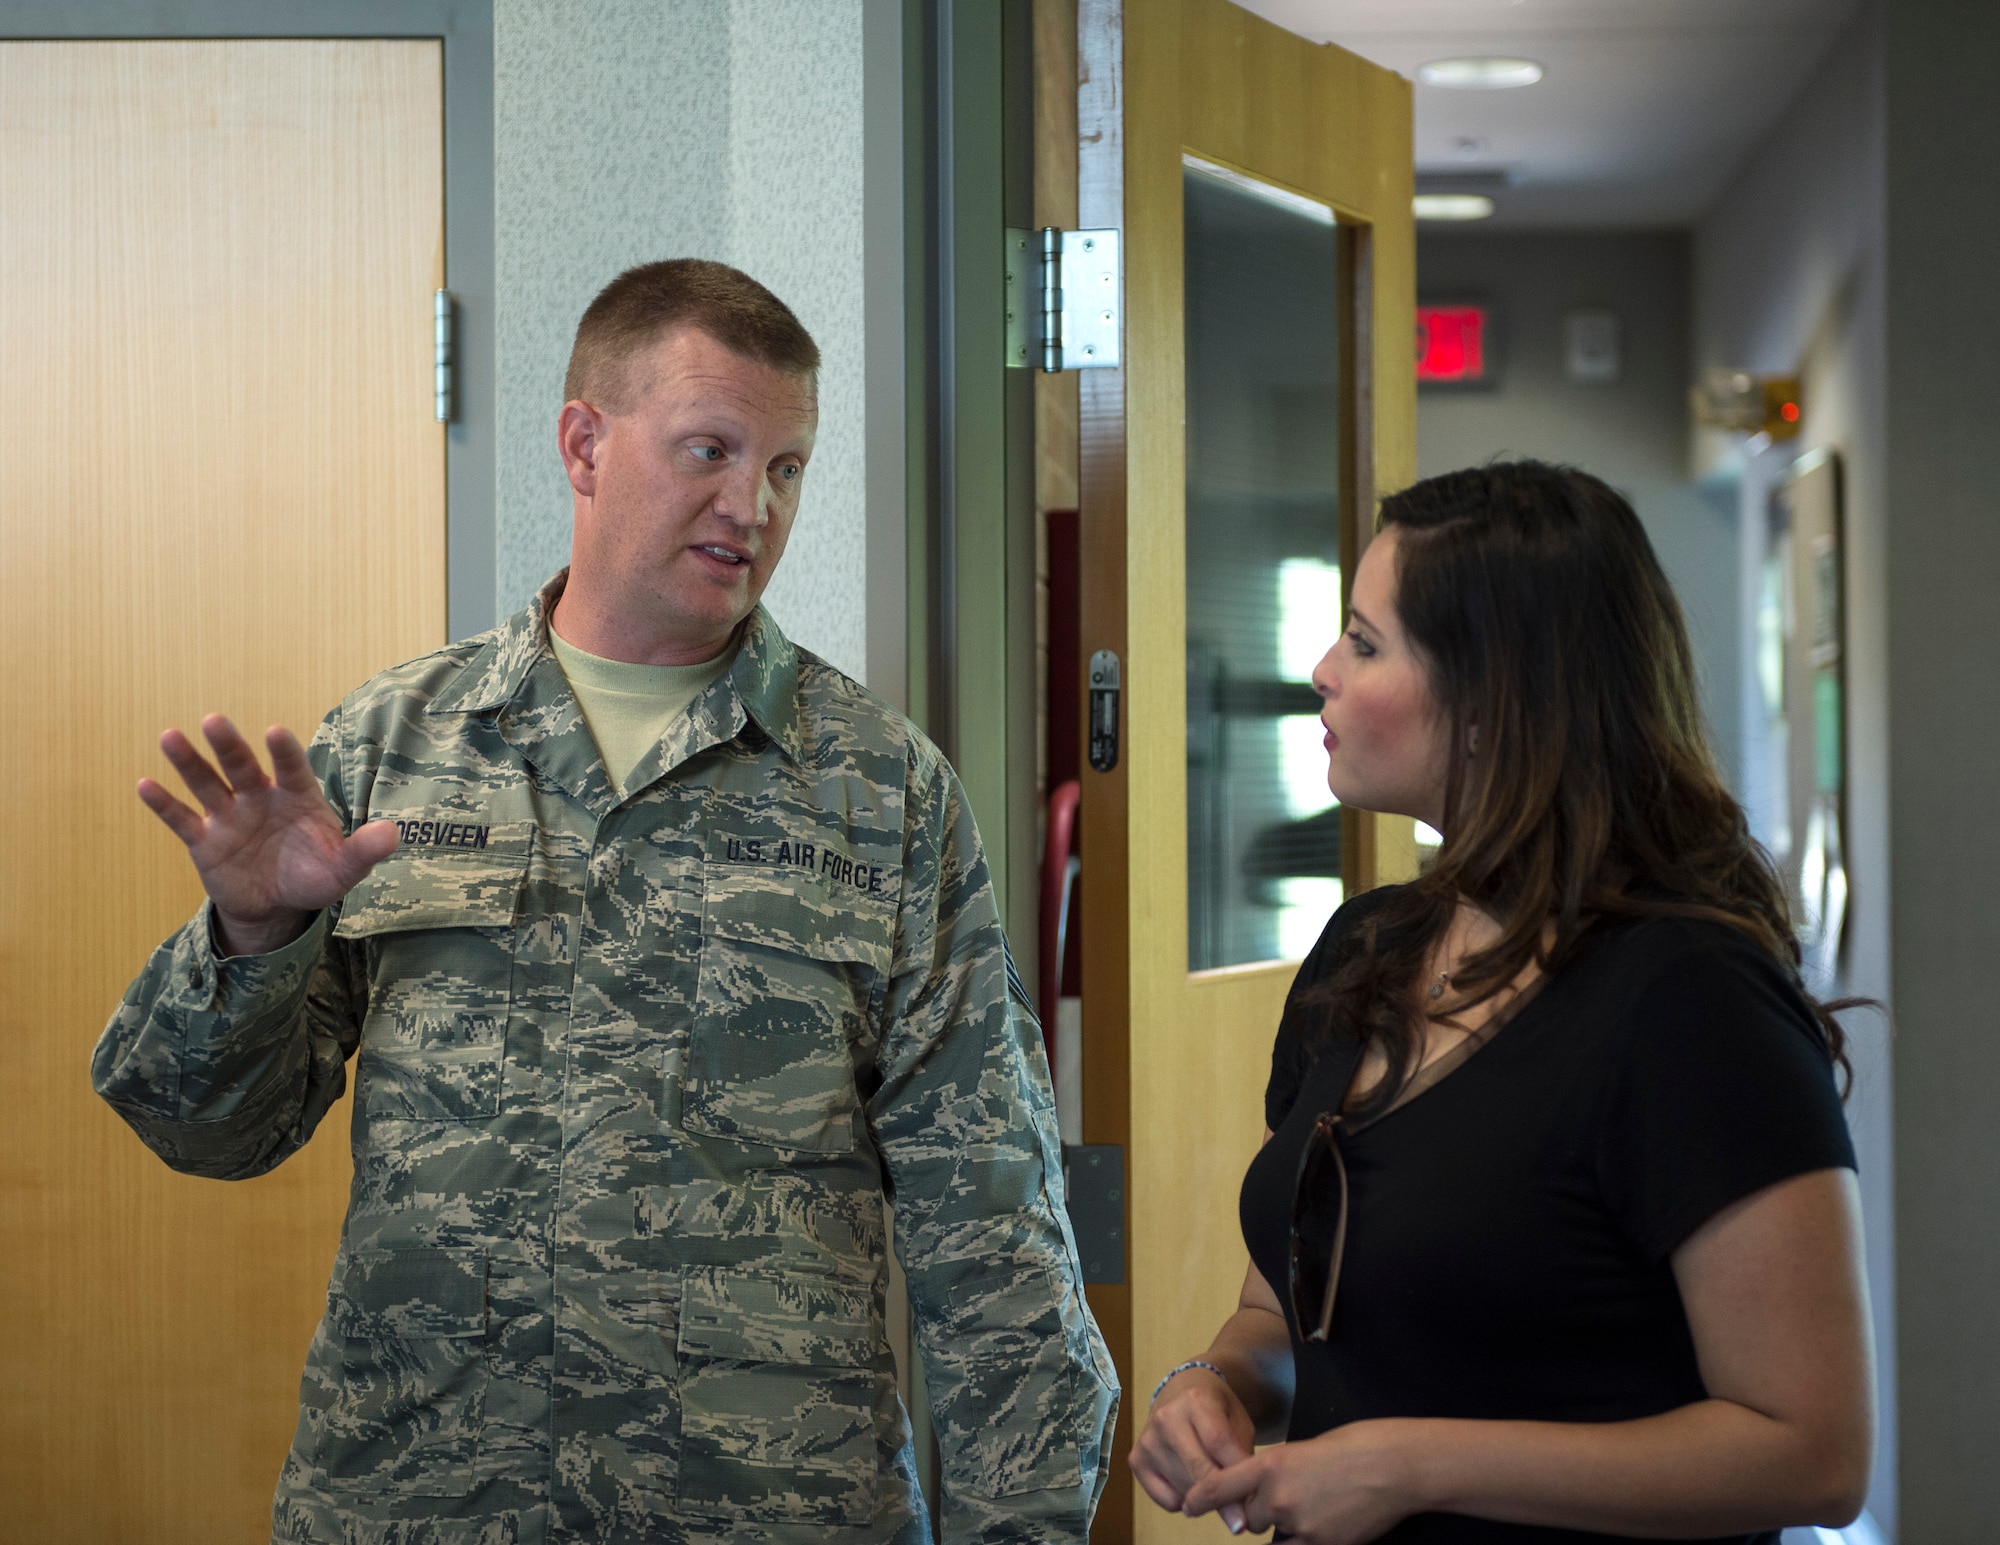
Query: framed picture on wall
point(1807, 542)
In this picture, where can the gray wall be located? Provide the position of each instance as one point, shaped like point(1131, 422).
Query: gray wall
point(1942, 573)
point(1631, 432)
point(628, 130)
point(1790, 275)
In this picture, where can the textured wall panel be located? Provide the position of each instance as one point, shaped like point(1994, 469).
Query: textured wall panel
point(628, 130)
point(795, 222)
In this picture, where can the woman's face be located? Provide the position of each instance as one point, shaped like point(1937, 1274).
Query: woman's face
point(1386, 742)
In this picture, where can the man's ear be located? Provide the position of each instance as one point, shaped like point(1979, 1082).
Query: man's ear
point(579, 435)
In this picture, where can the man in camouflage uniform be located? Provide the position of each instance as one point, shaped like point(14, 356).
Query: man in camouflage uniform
point(637, 1059)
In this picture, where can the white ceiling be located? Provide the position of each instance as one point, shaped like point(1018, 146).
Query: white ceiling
point(1646, 109)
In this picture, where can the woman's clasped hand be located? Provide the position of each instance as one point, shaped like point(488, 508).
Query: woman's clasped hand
point(1197, 1430)
point(1196, 1456)
point(1340, 1488)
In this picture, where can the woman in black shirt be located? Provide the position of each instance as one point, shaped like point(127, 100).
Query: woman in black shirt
point(1555, 1236)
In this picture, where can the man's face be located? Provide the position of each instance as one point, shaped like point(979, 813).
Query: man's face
point(687, 495)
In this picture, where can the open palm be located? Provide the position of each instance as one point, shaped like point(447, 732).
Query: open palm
point(269, 849)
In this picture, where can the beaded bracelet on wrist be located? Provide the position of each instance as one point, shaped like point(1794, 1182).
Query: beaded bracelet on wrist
point(1192, 1362)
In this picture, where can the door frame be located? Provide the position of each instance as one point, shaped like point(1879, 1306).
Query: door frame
point(464, 28)
point(969, 152)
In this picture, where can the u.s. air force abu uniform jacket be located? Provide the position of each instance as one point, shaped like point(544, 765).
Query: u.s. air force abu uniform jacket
point(632, 1079)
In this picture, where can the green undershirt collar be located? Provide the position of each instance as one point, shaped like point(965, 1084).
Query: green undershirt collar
point(628, 707)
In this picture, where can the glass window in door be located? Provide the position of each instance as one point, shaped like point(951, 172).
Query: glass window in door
point(1263, 565)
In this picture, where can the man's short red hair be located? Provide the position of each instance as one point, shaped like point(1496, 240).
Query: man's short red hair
point(636, 309)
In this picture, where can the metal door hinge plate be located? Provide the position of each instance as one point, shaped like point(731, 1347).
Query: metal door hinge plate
point(1064, 299)
point(442, 354)
point(1094, 1174)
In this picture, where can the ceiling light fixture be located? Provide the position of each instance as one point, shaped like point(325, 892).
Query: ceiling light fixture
point(1464, 179)
point(1483, 74)
point(1451, 206)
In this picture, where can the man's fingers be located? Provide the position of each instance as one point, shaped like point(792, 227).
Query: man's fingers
point(180, 820)
point(289, 766)
point(239, 763)
point(202, 780)
point(366, 848)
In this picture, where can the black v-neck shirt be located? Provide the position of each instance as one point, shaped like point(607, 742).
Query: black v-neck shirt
point(1510, 1227)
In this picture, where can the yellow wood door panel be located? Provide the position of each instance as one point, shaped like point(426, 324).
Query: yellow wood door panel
point(221, 487)
point(1176, 1060)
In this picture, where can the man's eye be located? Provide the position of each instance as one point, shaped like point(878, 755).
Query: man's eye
point(789, 471)
point(708, 452)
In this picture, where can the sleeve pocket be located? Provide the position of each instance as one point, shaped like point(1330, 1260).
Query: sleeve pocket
point(777, 1393)
point(1007, 1416)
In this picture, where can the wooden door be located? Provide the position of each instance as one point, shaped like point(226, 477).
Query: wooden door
point(221, 487)
point(1228, 478)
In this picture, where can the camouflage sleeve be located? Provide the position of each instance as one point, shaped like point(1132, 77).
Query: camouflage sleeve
point(224, 1065)
point(1021, 1388)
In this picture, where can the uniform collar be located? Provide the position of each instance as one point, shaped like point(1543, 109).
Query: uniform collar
point(762, 682)
point(765, 679)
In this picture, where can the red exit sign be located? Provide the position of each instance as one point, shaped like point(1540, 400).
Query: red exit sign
point(1451, 343)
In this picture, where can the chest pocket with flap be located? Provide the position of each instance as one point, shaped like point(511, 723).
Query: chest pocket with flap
point(790, 979)
point(439, 937)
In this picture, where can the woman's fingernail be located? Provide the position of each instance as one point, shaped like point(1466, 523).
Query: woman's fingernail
point(1232, 1517)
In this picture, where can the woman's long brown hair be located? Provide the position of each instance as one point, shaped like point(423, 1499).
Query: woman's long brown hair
point(1581, 785)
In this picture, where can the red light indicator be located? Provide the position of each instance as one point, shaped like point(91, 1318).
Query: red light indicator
point(1789, 413)
point(1451, 343)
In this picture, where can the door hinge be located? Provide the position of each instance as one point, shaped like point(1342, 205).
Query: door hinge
point(1064, 299)
point(441, 338)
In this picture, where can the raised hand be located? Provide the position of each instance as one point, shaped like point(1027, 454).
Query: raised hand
point(270, 852)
